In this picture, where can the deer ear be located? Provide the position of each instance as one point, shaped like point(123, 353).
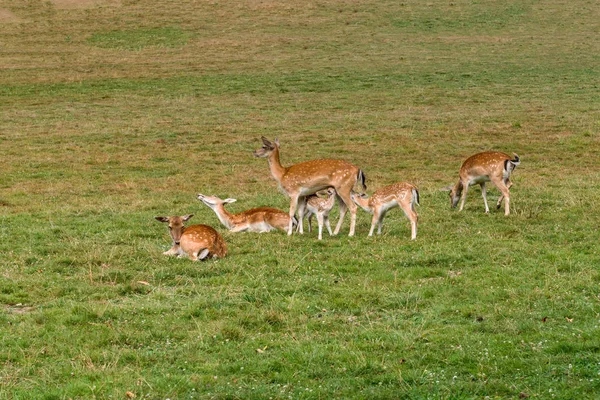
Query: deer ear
point(162, 219)
point(229, 201)
point(266, 141)
point(277, 141)
point(186, 217)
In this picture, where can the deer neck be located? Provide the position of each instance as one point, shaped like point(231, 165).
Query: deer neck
point(225, 217)
point(277, 170)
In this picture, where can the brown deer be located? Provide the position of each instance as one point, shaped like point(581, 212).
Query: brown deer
point(315, 205)
point(309, 177)
point(261, 219)
point(403, 195)
point(484, 167)
point(199, 242)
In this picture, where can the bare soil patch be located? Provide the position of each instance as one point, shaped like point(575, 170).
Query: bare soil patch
point(8, 16)
point(83, 3)
point(19, 309)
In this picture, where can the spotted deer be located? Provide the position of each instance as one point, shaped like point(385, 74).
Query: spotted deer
point(315, 205)
point(402, 194)
point(199, 242)
point(484, 167)
point(261, 219)
point(309, 177)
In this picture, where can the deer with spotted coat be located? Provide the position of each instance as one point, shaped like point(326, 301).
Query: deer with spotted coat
point(484, 167)
point(261, 219)
point(402, 194)
point(199, 242)
point(315, 205)
point(309, 177)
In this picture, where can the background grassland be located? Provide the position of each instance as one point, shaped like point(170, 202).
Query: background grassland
point(113, 112)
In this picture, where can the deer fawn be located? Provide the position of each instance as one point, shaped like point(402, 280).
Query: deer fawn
point(197, 241)
point(481, 168)
point(315, 205)
point(261, 219)
point(309, 177)
point(403, 195)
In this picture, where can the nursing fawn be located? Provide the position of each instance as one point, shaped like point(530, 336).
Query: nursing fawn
point(315, 205)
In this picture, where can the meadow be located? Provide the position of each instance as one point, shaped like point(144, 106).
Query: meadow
point(116, 111)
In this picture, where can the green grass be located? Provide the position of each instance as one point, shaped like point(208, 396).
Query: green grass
point(114, 112)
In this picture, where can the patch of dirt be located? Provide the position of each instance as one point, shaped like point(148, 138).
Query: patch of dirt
point(83, 3)
point(19, 309)
point(8, 16)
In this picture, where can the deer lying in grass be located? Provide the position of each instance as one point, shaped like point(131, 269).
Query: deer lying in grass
point(261, 219)
point(199, 242)
point(309, 177)
point(315, 205)
point(403, 195)
point(481, 168)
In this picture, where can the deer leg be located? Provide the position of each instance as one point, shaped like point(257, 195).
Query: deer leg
point(380, 222)
point(309, 218)
point(505, 195)
point(301, 210)
point(374, 221)
point(484, 195)
point(506, 202)
point(203, 254)
point(464, 196)
point(293, 206)
point(328, 225)
point(320, 220)
point(172, 251)
point(345, 196)
point(413, 218)
point(343, 209)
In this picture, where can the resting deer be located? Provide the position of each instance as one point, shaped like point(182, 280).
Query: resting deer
point(309, 177)
point(403, 195)
point(261, 219)
point(197, 241)
point(315, 205)
point(481, 168)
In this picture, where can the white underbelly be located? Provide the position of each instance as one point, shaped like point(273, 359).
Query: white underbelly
point(478, 180)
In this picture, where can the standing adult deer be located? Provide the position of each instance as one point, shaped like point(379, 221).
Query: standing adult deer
point(261, 219)
point(197, 241)
point(309, 177)
point(402, 194)
point(484, 167)
point(315, 205)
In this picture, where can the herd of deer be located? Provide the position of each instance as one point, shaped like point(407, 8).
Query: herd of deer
point(301, 183)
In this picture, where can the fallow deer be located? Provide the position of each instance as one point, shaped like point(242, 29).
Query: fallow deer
point(199, 242)
point(484, 167)
point(315, 205)
point(261, 219)
point(309, 177)
point(402, 194)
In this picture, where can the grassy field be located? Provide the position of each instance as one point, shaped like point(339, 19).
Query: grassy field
point(115, 111)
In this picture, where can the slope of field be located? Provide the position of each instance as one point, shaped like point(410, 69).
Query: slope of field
point(113, 112)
